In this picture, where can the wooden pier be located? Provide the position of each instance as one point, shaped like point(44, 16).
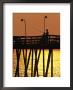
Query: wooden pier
point(33, 43)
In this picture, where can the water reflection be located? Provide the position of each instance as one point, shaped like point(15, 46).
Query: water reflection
point(56, 63)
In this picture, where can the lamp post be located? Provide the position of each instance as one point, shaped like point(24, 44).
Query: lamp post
point(44, 22)
point(23, 20)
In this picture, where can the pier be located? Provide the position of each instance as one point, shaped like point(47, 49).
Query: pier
point(33, 43)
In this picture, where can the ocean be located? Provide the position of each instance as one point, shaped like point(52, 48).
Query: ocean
point(56, 63)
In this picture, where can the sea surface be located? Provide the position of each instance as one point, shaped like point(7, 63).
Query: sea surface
point(56, 63)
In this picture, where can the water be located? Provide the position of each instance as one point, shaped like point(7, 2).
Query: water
point(56, 63)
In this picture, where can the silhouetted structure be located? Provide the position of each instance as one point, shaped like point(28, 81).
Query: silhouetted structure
point(42, 42)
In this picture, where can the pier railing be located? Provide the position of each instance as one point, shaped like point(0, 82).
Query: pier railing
point(50, 41)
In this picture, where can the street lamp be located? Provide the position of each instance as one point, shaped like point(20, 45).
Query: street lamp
point(23, 20)
point(44, 22)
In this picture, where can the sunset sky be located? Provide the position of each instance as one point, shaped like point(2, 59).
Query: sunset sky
point(35, 23)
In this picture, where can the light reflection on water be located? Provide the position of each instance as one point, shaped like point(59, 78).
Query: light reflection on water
point(56, 63)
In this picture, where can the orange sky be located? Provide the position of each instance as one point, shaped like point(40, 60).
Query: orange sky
point(35, 23)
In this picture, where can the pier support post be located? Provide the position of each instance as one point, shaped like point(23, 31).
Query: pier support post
point(25, 58)
point(18, 52)
point(43, 64)
point(48, 62)
point(32, 65)
point(52, 64)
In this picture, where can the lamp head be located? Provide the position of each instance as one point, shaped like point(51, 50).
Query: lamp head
point(21, 19)
point(45, 16)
